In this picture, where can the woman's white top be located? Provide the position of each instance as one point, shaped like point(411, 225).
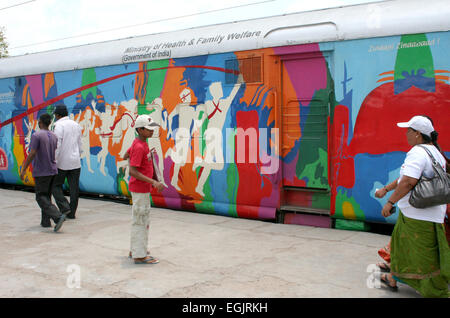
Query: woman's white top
point(418, 162)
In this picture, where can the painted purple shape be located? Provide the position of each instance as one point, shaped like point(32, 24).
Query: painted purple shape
point(170, 194)
point(36, 91)
point(289, 169)
point(308, 219)
point(297, 49)
point(308, 72)
point(266, 213)
point(267, 209)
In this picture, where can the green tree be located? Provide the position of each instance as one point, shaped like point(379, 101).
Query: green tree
point(3, 43)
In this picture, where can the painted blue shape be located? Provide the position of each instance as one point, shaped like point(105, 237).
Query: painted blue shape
point(194, 77)
point(95, 150)
point(417, 80)
point(371, 171)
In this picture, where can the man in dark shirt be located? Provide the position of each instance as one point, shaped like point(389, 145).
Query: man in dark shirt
point(42, 155)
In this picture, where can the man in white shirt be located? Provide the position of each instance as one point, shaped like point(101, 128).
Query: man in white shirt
point(68, 161)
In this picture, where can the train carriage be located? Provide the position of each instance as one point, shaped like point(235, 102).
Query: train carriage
point(290, 116)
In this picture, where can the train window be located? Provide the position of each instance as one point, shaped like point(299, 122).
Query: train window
point(249, 67)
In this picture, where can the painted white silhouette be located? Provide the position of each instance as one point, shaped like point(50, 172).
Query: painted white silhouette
point(217, 110)
point(107, 121)
point(32, 126)
point(159, 115)
point(126, 125)
point(186, 115)
point(87, 125)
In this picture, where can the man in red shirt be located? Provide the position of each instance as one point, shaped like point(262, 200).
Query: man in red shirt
point(141, 173)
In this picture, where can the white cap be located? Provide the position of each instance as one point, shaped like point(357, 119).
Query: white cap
point(419, 123)
point(145, 121)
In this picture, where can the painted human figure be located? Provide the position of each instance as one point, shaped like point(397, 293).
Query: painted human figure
point(127, 121)
point(87, 125)
point(159, 115)
point(217, 110)
point(107, 121)
point(126, 125)
point(32, 126)
point(181, 133)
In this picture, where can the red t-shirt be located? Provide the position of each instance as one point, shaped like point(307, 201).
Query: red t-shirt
point(141, 159)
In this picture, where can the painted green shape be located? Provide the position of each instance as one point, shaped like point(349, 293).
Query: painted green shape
point(50, 109)
point(87, 78)
point(342, 198)
point(156, 80)
point(321, 200)
point(206, 206)
point(15, 166)
point(414, 53)
point(331, 96)
point(202, 131)
point(152, 203)
point(351, 225)
point(317, 172)
point(121, 178)
point(314, 140)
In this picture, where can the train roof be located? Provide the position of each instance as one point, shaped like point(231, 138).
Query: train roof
point(377, 19)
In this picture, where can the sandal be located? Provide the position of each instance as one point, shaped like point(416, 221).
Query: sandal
point(385, 253)
point(146, 260)
point(384, 267)
point(385, 280)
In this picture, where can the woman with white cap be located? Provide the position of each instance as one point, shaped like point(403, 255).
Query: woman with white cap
point(420, 254)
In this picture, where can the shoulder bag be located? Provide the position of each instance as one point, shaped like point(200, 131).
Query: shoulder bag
point(431, 191)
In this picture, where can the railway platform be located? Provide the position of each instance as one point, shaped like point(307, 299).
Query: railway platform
point(201, 256)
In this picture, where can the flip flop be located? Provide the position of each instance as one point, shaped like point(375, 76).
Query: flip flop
point(385, 281)
point(385, 268)
point(385, 253)
point(148, 260)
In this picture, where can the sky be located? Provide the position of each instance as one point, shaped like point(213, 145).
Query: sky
point(40, 25)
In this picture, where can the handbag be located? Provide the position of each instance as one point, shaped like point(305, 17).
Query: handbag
point(431, 191)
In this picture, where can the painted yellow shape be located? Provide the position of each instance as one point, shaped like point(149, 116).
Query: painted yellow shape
point(348, 211)
point(20, 158)
point(123, 188)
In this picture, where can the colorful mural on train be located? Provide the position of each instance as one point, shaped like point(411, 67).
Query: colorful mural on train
point(237, 128)
point(393, 79)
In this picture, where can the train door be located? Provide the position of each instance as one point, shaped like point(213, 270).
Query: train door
point(306, 88)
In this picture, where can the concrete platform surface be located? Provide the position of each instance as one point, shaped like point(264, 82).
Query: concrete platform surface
point(201, 256)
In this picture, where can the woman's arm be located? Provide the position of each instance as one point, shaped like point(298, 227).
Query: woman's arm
point(403, 187)
point(380, 193)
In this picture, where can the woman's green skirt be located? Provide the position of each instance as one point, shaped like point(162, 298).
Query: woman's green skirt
point(420, 256)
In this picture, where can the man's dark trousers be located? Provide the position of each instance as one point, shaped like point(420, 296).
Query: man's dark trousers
point(43, 189)
point(73, 179)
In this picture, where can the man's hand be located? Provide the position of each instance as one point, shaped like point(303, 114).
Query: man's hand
point(158, 186)
point(27, 162)
point(22, 174)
